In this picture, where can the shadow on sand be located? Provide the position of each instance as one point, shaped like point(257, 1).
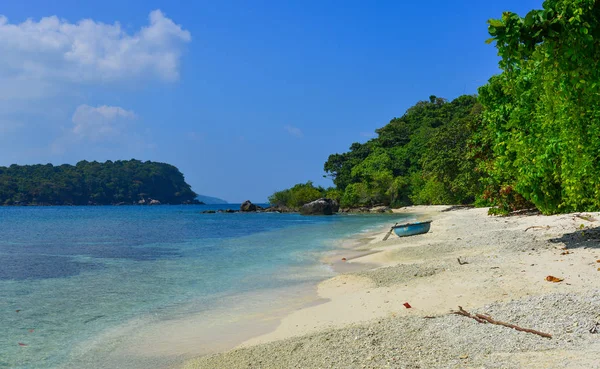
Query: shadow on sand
point(587, 238)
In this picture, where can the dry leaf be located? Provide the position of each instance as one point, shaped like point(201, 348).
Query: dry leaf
point(565, 253)
point(554, 279)
point(464, 357)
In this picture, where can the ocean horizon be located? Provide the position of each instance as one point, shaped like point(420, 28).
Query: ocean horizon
point(78, 284)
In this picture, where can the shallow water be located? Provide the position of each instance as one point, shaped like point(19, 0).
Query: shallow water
point(70, 276)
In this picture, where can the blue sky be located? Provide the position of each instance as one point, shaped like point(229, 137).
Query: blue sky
point(245, 97)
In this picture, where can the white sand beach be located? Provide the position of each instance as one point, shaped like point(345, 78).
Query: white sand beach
point(363, 322)
point(505, 262)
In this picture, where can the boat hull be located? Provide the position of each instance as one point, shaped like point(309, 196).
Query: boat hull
point(412, 229)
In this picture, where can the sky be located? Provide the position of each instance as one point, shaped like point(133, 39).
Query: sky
point(244, 97)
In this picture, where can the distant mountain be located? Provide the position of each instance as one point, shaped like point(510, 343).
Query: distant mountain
point(211, 200)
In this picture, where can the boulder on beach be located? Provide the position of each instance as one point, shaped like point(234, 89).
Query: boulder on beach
point(248, 206)
point(321, 206)
point(154, 202)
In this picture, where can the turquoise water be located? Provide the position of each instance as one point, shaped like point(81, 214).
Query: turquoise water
point(70, 274)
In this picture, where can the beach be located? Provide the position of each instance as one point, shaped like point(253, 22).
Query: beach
point(496, 266)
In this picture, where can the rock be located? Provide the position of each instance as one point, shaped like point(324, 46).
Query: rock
point(321, 206)
point(208, 212)
point(381, 209)
point(248, 206)
point(228, 211)
point(278, 209)
point(192, 202)
point(142, 202)
point(154, 202)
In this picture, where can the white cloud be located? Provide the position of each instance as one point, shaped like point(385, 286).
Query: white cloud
point(100, 123)
point(102, 129)
point(53, 51)
point(294, 131)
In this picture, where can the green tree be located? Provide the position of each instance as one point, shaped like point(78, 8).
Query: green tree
point(543, 113)
point(297, 196)
point(421, 157)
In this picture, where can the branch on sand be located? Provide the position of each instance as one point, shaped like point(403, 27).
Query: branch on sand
point(532, 227)
point(486, 319)
point(589, 218)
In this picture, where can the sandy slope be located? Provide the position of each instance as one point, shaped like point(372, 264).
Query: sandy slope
point(364, 323)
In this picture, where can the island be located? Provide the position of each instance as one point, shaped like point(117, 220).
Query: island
point(121, 182)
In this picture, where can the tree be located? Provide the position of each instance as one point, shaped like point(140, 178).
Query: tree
point(543, 111)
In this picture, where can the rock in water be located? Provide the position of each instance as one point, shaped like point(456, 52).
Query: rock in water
point(335, 206)
point(320, 207)
point(247, 206)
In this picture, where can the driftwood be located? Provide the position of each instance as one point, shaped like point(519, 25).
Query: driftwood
point(487, 319)
point(589, 218)
point(532, 227)
point(530, 211)
point(462, 262)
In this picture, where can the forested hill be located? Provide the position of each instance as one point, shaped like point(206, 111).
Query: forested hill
point(93, 183)
point(423, 157)
point(529, 139)
point(419, 158)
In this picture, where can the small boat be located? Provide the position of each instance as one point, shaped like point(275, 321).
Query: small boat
point(411, 229)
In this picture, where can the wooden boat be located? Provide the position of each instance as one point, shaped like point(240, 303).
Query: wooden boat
point(411, 229)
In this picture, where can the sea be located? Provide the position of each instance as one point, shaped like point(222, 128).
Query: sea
point(134, 286)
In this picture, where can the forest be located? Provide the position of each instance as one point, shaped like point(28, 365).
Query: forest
point(93, 183)
point(530, 138)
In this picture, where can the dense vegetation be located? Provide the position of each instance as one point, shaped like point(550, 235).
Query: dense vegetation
point(418, 158)
point(543, 111)
point(531, 138)
point(301, 194)
point(86, 183)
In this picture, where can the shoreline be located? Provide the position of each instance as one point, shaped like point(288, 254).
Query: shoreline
point(170, 343)
point(507, 260)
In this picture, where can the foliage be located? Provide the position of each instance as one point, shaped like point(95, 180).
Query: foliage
point(93, 183)
point(542, 114)
point(421, 158)
point(299, 195)
point(531, 138)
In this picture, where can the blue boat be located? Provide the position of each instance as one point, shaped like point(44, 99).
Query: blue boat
point(411, 229)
